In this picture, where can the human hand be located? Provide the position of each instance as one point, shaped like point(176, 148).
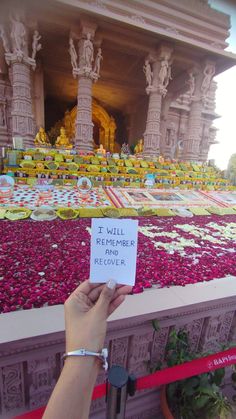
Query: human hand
point(86, 313)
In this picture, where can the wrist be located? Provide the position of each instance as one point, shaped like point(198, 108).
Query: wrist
point(85, 369)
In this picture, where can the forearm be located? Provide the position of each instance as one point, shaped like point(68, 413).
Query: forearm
point(72, 395)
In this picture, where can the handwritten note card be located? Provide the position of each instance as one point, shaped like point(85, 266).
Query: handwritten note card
point(113, 250)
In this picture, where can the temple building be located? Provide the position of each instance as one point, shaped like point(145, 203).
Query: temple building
point(110, 71)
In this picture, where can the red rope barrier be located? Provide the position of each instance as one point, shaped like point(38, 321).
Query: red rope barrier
point(168, 375)
point(188, 369)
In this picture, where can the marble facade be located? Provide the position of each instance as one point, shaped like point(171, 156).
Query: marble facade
point(184, 51)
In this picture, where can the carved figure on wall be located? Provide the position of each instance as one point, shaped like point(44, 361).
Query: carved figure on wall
point(18, 34)
point(191, 83)
point(165, 72)
point(73, 54)
point(179, 149)
point(41, 138)
point(97, 63)
point(62, 140)
point(148, 72)
point(204, 145)
point(171, 139)
point(2, 116)
point(139, 146)
point(88, 51)
point(35, 44)
point(208, 72)
point(5, 41)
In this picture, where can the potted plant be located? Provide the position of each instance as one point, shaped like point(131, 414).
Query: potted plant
point(198, 397)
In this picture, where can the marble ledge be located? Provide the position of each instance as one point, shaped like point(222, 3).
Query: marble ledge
point(46, 320)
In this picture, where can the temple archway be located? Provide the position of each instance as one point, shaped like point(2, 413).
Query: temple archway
point(105, 126)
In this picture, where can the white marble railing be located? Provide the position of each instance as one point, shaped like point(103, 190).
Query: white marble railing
point(31, 342)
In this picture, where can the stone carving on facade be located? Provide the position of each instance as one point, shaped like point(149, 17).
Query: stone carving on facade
point(12, 392)
point(179, 149)
point(88, 71)
point(137, 18)
point(130, 341)
point(2, 115)
point(140, 353)
point(226, 324)
point(88, 52)
point(86, 68)
point(170, 141)
point(147, 69)
point(18, 51)
point(172, 29)
point(73, 57)
point(209, 72)
point(191, 83)
point(216, 329)
point(36, 46)
point(164, 74)
point(18, 35)
point(158, 345)
point(97, 64)
point(42, 380)
point(99, 4)
point(205, 142)
point(212, 135)
point(194, 330)
point(119, 351)
point(5, 40)
point(21, 121)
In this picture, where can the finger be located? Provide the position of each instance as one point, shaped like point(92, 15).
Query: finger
point(105, 298)
point(120, 290)
point(123, 290)
point(116, 303)
point(85, 287)
point(94, 294)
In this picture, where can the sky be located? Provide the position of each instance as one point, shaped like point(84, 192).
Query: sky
point(226, 96)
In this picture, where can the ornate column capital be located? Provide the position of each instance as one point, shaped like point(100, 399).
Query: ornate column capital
point(157, 69)
point(15, 43)
point(88, 65)
point(200, 78)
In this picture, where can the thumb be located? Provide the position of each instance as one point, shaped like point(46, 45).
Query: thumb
point(106, 296)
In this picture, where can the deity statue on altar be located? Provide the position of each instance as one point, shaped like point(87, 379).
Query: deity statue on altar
point(125, 148)
point(62, 140)
point(101, 150)
point(41, 139)
point(139, 147)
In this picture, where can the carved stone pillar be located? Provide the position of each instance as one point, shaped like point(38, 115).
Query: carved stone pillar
point(203, 80)
point(23, 124)
point(20, 63)
point(191, 145)
point(3, 100)
point(158, 78)
point(38, 97)
point(87, 70)
point(83, 123)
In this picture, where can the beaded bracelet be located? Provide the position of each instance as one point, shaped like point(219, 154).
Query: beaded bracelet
point(103, 355)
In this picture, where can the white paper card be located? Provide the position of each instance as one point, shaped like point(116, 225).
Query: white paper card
point(113, 250)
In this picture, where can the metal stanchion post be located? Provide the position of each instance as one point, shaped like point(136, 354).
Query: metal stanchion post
point(117, 392)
